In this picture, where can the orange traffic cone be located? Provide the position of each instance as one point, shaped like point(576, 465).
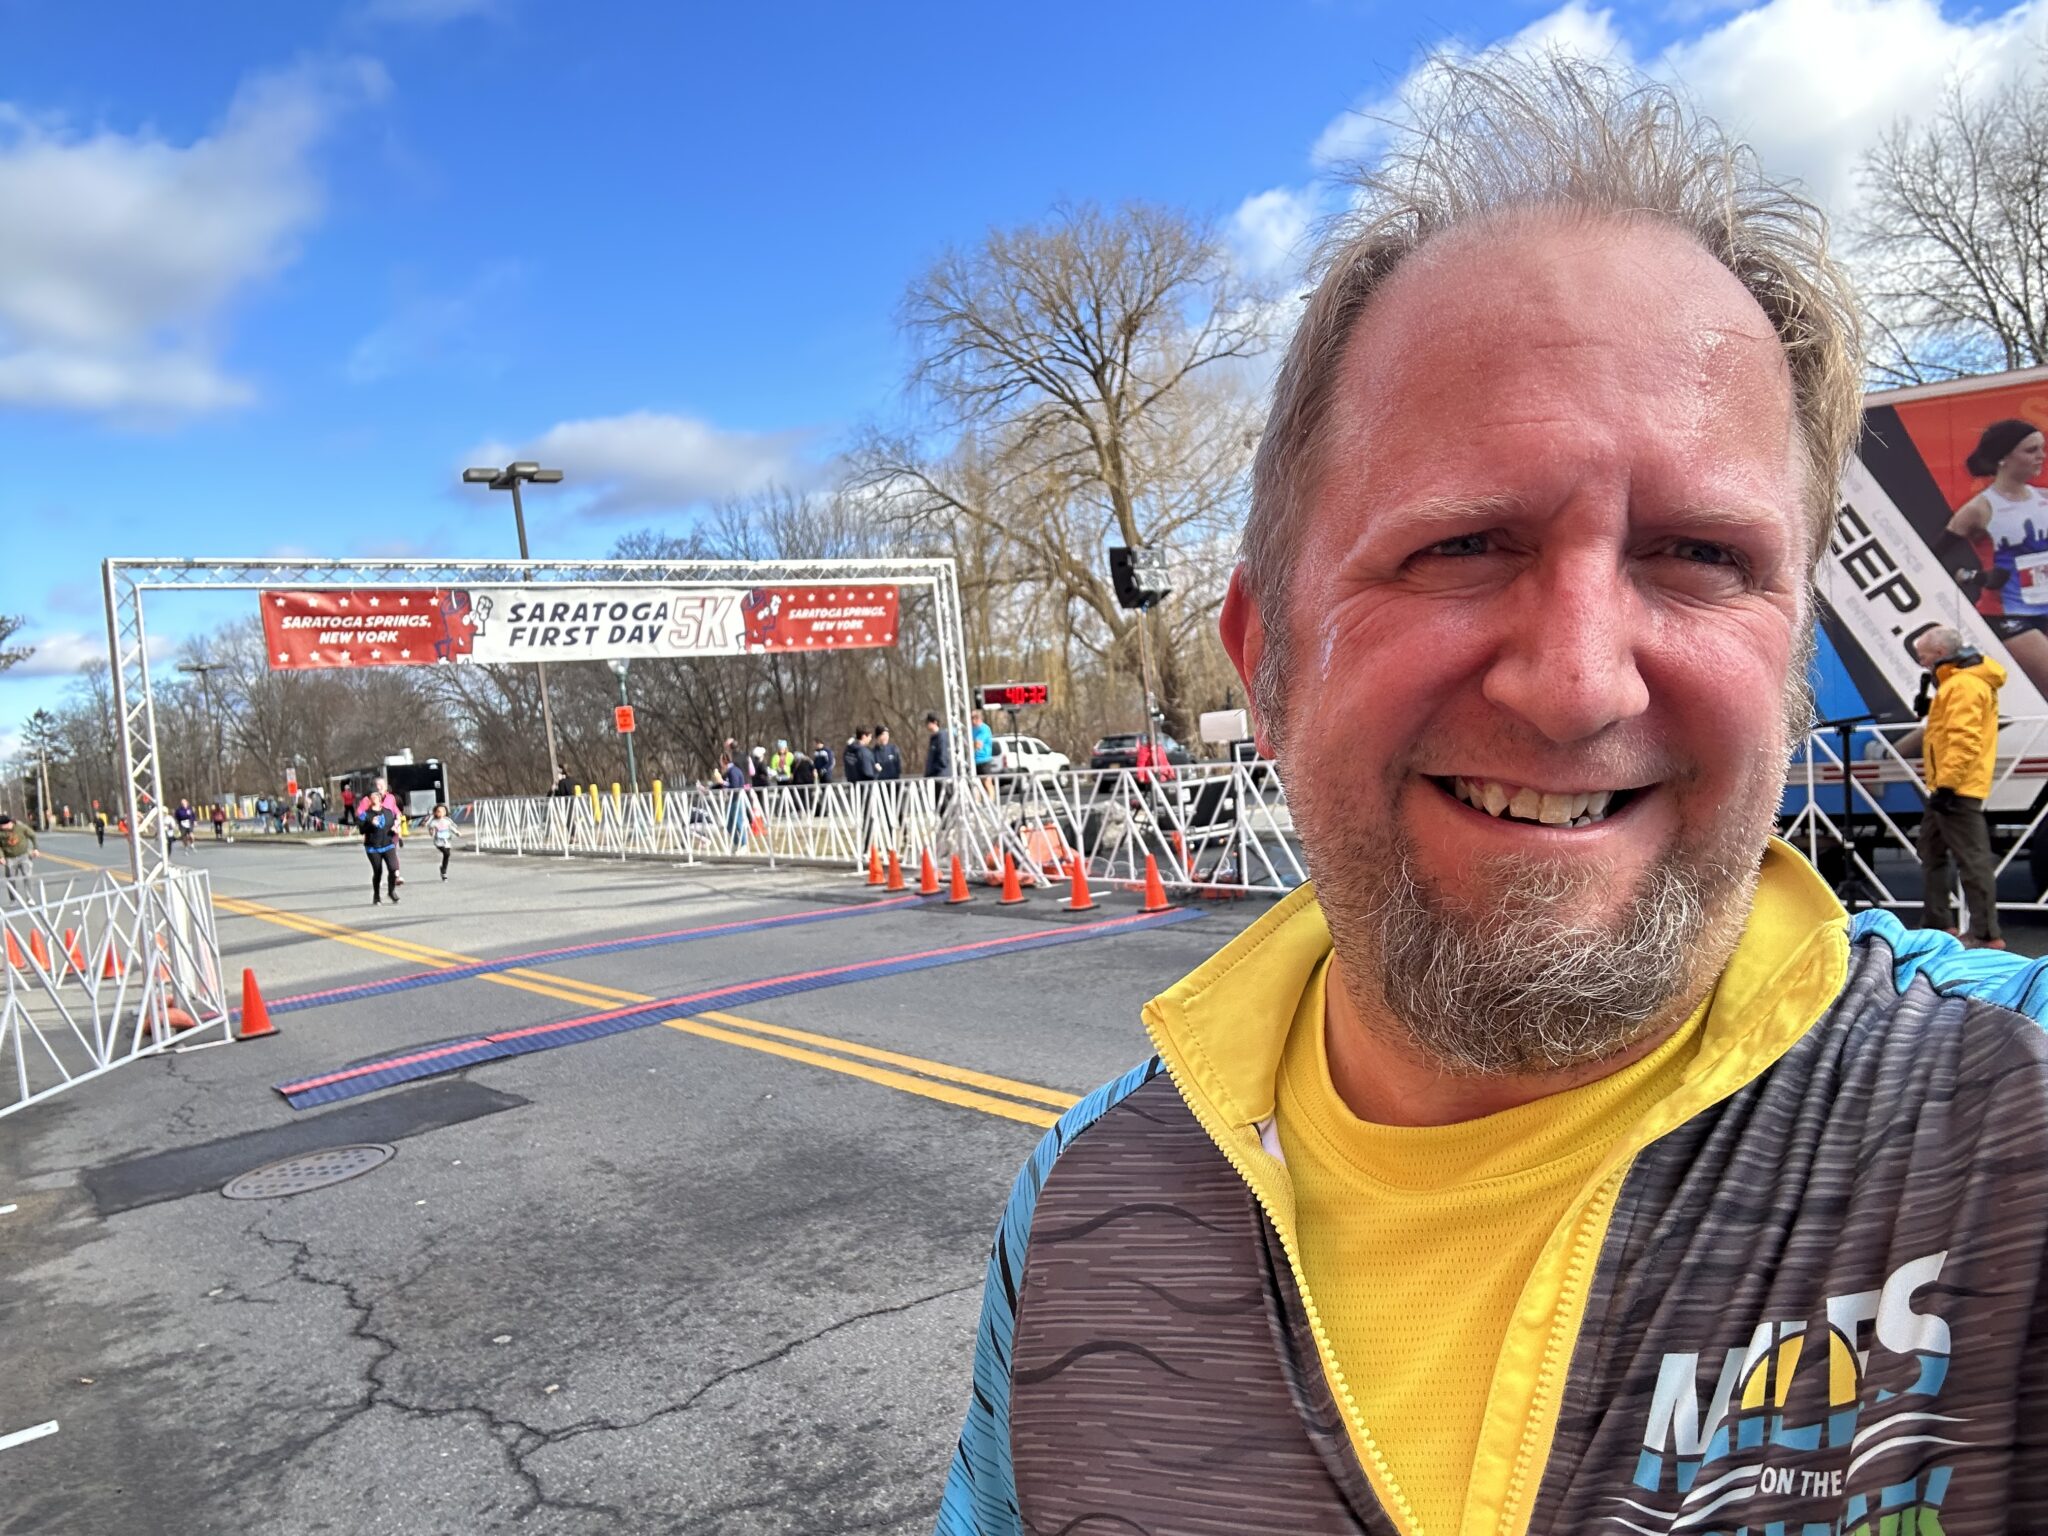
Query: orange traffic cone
point(178, 1018)
point(38, 948)
point(1155, 893)
point(928, 876)
point(74, 951)
point(256, 1023)
point(1081, 900)
point(874, 866)
point(15, 957)
point(958, 894)
point(112, 967)
point(896, 873)
point(1013, 889)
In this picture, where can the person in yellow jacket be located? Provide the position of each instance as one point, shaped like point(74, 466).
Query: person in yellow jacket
point(1957, 760)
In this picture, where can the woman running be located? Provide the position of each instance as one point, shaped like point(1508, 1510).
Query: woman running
point(441, 827)
point(2007, 521)
point(378, 818)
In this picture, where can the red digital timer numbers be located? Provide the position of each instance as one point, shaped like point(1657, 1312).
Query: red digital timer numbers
point(1014, 695)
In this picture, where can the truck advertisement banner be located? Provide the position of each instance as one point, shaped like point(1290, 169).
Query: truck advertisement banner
point(1896, 568)
point(394, 627)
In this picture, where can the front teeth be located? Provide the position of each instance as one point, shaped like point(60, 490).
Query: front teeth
point(1524, 804)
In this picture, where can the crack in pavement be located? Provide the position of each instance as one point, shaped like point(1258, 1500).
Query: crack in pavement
point(517, 1440)
point(683, 1405)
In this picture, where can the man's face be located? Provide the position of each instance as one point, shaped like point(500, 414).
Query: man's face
point(1552, 564)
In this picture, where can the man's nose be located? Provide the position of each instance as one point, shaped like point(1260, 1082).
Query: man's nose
point(1566, 662)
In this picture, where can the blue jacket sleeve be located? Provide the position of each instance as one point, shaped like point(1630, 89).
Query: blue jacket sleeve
point(981, 1489)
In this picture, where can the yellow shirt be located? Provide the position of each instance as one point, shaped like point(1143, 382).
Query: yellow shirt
point(1418, 1242)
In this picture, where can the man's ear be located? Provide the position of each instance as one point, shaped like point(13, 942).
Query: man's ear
point(1244, 637)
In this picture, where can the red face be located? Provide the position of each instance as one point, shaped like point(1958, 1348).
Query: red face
point(1547, 589)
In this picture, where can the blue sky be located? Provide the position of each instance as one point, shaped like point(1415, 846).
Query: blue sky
point(269, 275)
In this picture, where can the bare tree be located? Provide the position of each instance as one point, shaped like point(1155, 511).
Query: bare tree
point(1953, 238)
point(1089, 371)
point(10, 626)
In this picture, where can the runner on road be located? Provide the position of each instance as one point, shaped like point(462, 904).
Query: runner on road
point(18, 854)
point(187, 819)
point(441, 827)
point(379, 819)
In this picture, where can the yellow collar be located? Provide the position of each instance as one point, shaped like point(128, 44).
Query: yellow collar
point(1221, 1029)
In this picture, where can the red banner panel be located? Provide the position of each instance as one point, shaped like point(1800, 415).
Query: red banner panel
point(365, 627)
point(820, 618)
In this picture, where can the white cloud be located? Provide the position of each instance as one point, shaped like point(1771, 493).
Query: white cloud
point(1813, 83)
point(61, 653)
point(1269, 231)
point(123, 250)
point(648, 459)
point(1809, 83)
point(1573, 28)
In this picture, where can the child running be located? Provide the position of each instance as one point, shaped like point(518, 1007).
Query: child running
point(441, 826)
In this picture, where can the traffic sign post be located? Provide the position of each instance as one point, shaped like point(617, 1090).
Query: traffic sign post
point(622, 717)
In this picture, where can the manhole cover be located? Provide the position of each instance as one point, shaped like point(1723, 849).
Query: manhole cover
point(309, 1170)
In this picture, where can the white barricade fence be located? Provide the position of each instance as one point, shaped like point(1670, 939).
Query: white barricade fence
point(1217, 827)
point(1856, 791)
point(100, 973)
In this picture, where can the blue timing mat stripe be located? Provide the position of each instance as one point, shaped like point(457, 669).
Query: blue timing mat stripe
point(577, 951)
point(431, 1060)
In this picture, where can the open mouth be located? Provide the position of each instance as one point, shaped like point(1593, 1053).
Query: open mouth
point(1518, 802)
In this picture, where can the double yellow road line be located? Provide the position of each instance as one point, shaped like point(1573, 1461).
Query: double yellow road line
point(963, 1087)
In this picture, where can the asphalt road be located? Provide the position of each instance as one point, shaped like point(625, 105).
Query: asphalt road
point(719, 1282)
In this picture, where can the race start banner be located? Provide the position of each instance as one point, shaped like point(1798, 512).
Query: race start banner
point(400, 626)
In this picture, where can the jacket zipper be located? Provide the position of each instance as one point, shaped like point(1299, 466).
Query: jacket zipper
point(1403, 1514)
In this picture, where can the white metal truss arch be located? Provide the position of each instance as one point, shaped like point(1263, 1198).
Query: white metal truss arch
point(128, 580)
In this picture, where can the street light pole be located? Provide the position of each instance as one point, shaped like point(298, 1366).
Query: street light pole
point(508, 479)
point(204, 670)
point(619, 665)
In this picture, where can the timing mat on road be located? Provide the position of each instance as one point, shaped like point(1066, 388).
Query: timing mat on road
point(407, 1066)
point(436, 977)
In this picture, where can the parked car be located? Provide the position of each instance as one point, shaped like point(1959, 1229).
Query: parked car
point(1121, 750)
point(1027, 754)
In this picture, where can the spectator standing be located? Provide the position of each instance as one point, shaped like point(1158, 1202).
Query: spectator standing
point(821, 760)
point(757, 768)
point(734, 776)
point(780, 764)
point(18, 855)
point(938, 752)
point(348, 802)
point(442, 829)
point(1958, 757)
point(859, 762)
point(859, 759)
point(220, 823)
point(888, 760)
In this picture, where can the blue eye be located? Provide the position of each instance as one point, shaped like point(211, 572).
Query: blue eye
point(1463, 544)
point(1700, 552)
